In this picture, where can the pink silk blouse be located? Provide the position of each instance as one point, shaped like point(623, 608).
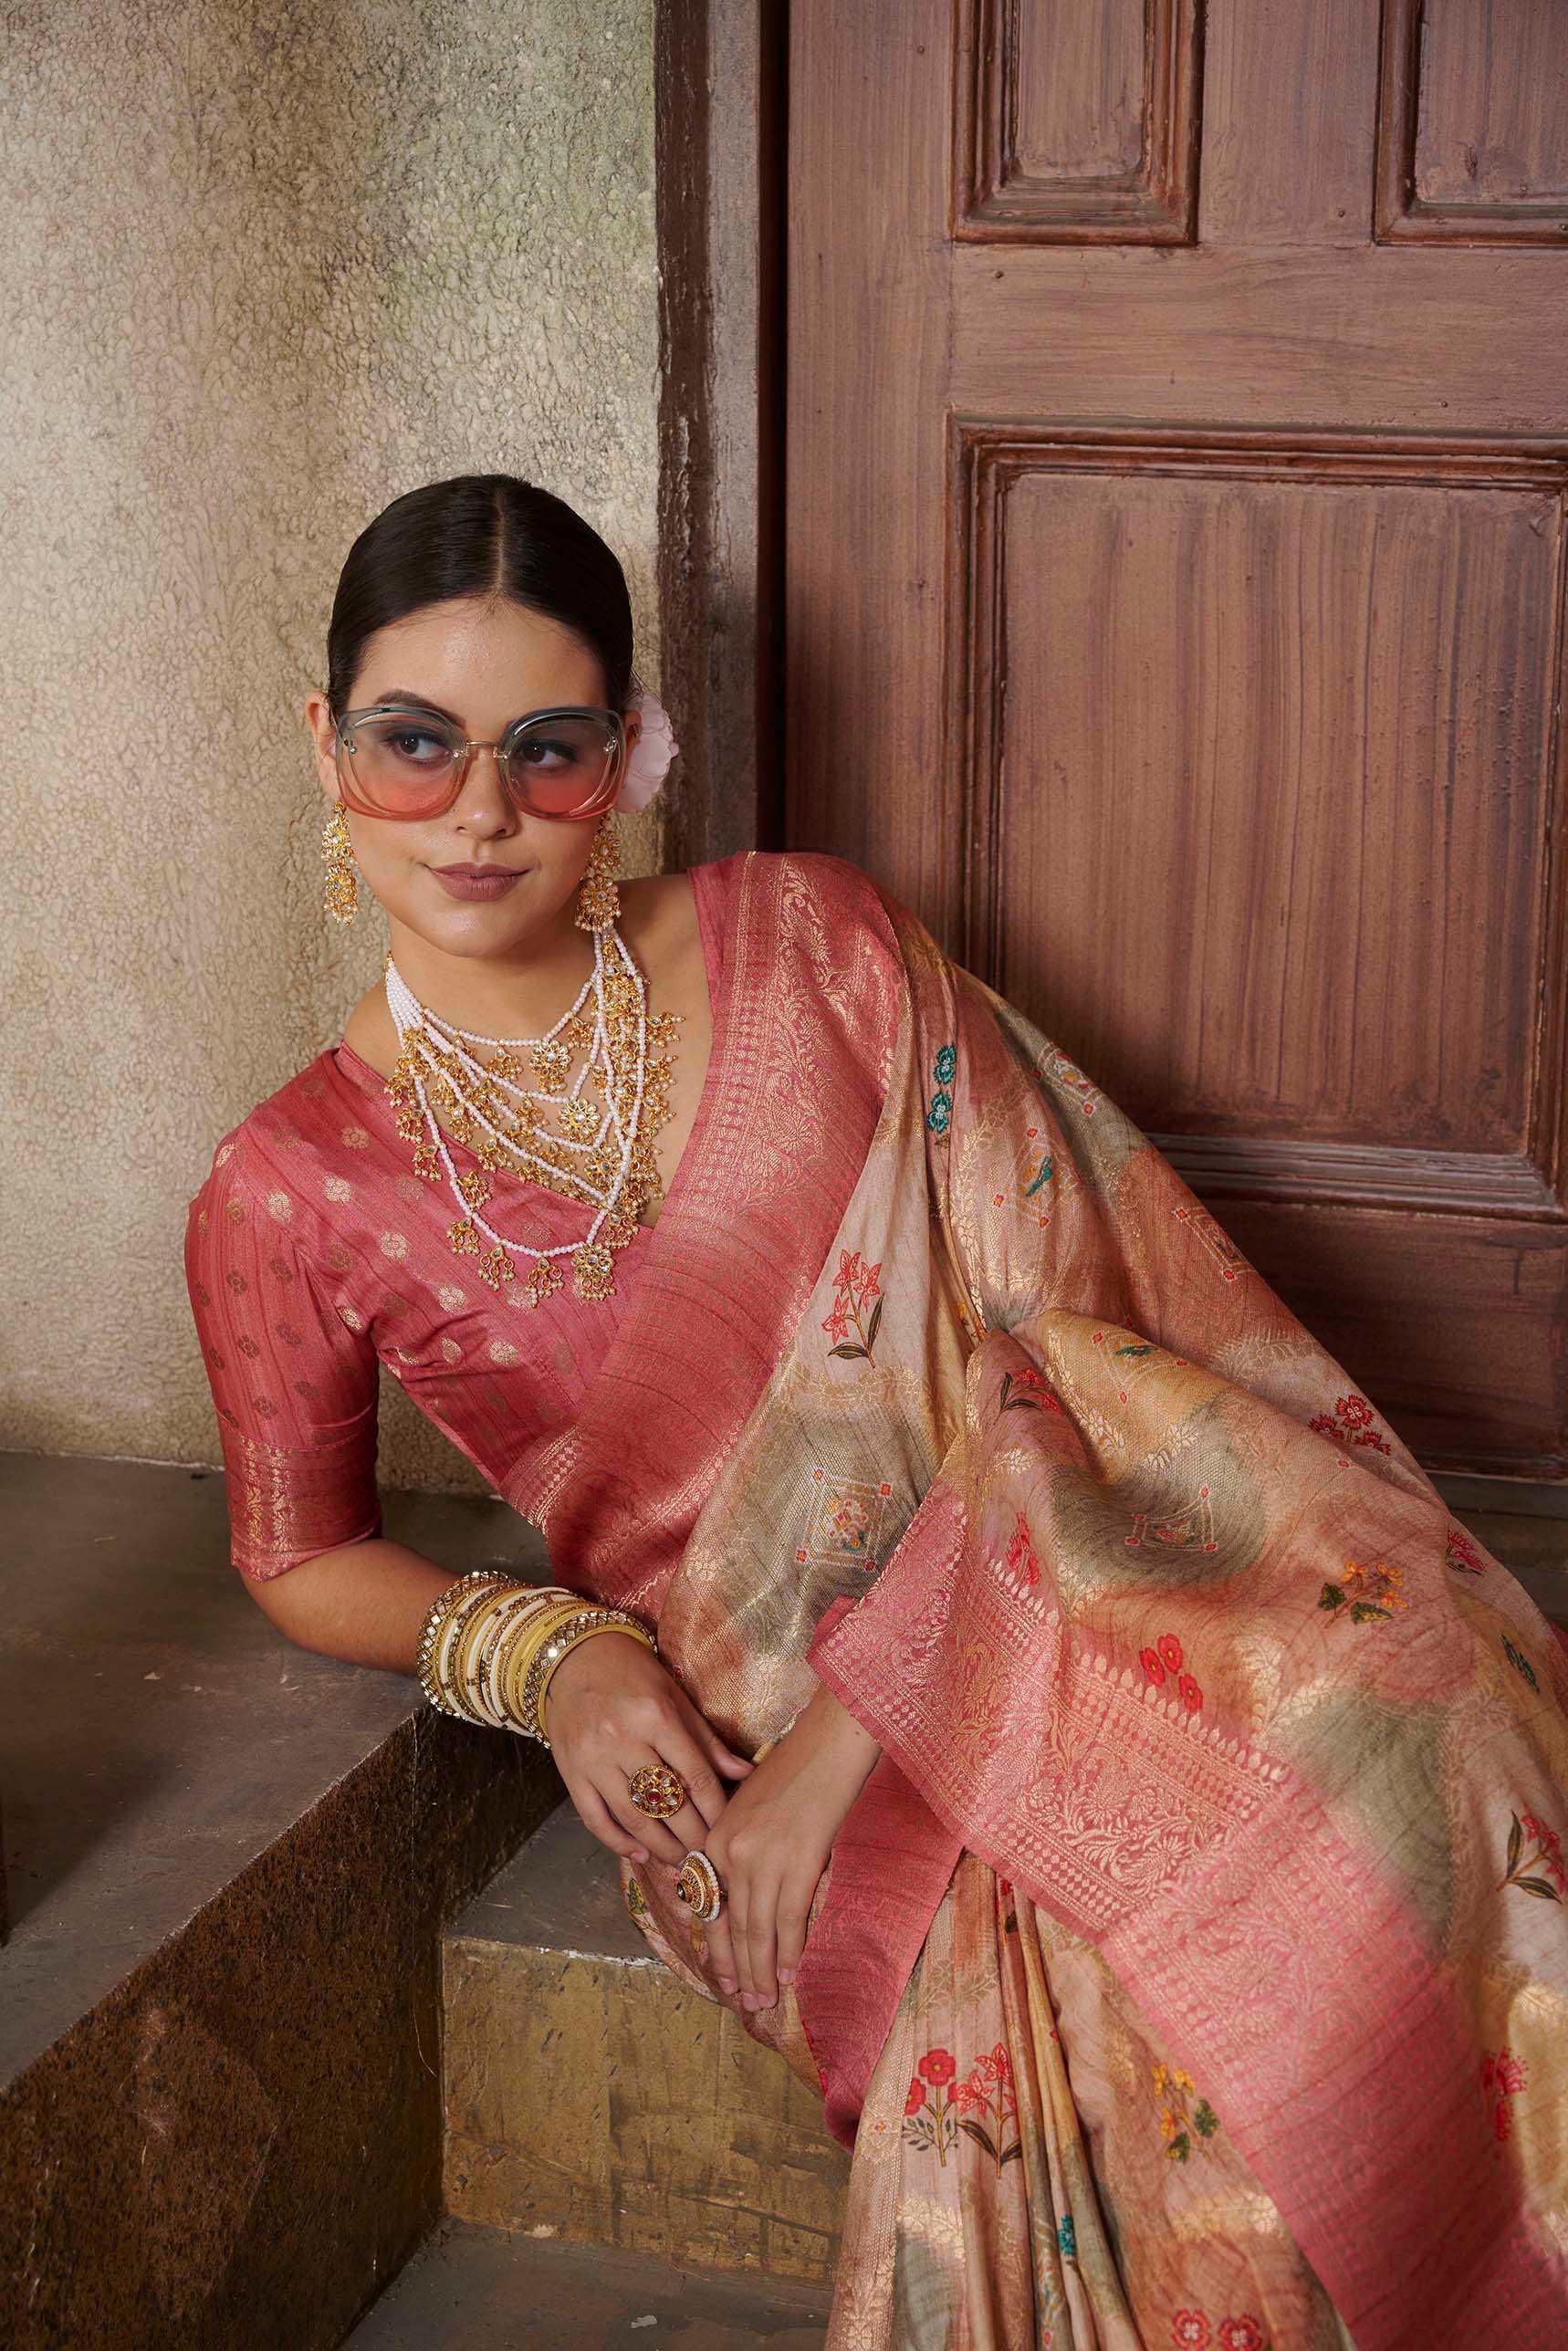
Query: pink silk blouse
point(313, 1254)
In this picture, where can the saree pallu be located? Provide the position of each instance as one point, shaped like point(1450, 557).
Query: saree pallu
point(1193, 1968)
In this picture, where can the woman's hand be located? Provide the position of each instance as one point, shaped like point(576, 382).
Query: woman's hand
point(772, 1846)
point(613, 1707)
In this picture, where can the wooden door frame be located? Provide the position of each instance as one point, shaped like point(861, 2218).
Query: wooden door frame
point(720, 98)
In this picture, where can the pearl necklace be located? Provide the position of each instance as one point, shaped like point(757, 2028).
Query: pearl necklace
point(598, 1151)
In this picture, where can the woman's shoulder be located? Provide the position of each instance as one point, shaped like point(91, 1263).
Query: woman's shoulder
point(252, 1157)
point(804, 882)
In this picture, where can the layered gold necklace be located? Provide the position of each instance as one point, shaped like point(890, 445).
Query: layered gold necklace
point(575, 1109)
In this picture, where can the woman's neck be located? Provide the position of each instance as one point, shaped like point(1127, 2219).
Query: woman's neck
point(519, 994)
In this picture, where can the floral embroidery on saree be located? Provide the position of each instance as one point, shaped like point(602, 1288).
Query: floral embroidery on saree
point(1463, 1553)
point(1191, 2331)
point(1166, 1658)
point(857, 1307)
point(1185, 2117)
point(985, 2101)
point(1539, 1872)
point(939, 1116)
point(1025, 1390)
point(1368, 1592)
point(1521, 1664)
point(1021, 1559)
point(983, 2104)
point(1503, 2078)
point(1350, 1423)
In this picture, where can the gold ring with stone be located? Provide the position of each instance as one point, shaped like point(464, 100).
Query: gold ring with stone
point(700, 1887)
point(657, 1790)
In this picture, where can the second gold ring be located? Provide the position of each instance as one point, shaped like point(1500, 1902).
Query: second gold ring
point(700, 1887)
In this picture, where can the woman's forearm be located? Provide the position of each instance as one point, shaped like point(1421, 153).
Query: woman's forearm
point(364, 1602)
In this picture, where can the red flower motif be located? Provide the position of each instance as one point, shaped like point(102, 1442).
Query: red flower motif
point(916, 2098)
point(937, 2067)
point(1021, 1559)
point(1189, 2328)
point(1351, 1423)
point(1549, 1841)
point(849, 1274)
point(837, 1323)
point(1462, 1553)
point(1503, 2078)
point(1150, 1661)
point(869, 1285)
point(1170, 1651)
point(1191, 1696)
point(1242, 2334)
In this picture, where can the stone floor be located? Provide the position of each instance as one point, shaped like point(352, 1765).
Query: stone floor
point(470, 2289)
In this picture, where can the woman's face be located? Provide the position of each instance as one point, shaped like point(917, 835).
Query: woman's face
point(483, 664)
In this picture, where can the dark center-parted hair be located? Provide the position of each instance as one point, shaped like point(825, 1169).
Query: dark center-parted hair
point(480, 534)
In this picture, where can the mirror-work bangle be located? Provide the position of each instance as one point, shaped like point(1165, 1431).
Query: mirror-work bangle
point(435, 1625)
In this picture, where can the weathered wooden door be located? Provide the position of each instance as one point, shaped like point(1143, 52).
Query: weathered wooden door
point(1177, 444)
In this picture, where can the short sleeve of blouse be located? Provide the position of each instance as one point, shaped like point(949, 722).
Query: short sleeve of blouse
point(295, 1388)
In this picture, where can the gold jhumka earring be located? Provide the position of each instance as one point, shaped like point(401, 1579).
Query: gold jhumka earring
point(341, 897)
point(598, 899)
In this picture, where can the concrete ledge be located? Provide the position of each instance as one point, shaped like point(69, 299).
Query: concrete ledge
point(231, 1862)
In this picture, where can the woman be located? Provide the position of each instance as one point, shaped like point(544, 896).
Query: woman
point(1126, 1793)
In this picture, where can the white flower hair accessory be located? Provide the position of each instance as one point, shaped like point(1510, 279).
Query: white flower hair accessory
point(651, 754)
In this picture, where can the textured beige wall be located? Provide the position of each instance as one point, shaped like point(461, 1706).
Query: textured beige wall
point(265, 266)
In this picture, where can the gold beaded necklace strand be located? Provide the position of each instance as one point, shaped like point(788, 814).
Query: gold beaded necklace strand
point(589, 1136)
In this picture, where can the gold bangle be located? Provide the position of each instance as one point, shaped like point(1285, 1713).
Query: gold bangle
point(476, 1645)
point(441, 1606)
point(452, 1653)
point(525, 1629)
point(523, 1660)
point(516, 1623)
point(472, 1638)
point(560, 1647)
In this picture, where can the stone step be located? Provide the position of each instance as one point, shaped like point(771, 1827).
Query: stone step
point(589, 2091)
point(472, 2288)
point(231, 1862)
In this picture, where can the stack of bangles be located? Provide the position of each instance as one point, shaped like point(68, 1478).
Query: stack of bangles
point(487, 1650)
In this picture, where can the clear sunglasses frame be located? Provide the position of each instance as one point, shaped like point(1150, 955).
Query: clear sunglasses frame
point(464, 748)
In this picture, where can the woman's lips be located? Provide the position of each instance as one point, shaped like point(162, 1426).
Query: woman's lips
point(476, 881)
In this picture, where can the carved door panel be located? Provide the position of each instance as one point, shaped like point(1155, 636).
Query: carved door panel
point(1177, 437)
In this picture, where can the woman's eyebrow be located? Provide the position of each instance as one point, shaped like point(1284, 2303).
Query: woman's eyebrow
point(416, 702)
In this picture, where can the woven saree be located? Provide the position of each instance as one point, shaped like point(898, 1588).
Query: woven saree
point(1193, 1968)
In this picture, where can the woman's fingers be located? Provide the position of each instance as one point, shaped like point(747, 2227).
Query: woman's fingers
point(614, 1788)
point(722, 1952)
point(596, 1816)
point(734, 1915)
point(790, 1929)
point(697, 1752)
point(761, 1942)
point(733, 1765)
